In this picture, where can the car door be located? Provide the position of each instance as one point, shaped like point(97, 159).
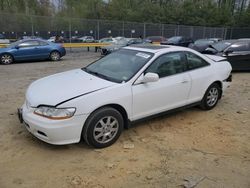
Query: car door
point(201, 75)
point(26, 50)
point(238, 54)
point(170, 91)
point(43, 50)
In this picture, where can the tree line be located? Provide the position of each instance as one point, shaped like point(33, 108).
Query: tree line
point(185, 12)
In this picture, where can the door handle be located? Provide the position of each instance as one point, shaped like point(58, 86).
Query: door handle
point(184, 81)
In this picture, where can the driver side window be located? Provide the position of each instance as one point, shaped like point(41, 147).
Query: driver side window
point(27, 44)
point(168, 64)
point(240, 46)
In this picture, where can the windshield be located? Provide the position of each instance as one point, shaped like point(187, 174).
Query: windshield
point(221, 46)
point(105, 40)
point(121, 42)
point(119, 66)
point(203, 42)
point(14, 44)
point(174, 39)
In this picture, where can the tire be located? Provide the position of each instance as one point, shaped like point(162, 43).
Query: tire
point(103, 127)
point(55, 56)
point(211, 97)
point(6, 59)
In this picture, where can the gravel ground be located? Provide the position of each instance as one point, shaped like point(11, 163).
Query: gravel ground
point(188, 148)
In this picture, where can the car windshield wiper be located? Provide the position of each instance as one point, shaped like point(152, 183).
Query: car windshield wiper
point(100, 75)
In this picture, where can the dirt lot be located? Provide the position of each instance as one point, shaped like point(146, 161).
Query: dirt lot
point(207, 148)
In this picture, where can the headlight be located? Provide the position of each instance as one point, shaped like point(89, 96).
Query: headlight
point(54, 113)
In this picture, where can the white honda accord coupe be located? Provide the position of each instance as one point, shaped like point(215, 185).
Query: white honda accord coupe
point(97, 102)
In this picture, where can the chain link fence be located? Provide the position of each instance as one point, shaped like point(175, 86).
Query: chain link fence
point(15, 26)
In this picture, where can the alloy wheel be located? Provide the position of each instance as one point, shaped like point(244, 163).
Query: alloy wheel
point(6, 59)
point(55, 56)
point(212, 96)
point(105, 129)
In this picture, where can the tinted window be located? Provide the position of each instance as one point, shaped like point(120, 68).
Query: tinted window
point(175, 39)
point(195, 61)
point(168, 64)
point(240, 46)
point(42, 43)
point(221, 46)
point(29, 44)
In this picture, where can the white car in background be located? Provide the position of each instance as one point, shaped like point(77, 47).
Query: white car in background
point(52, 39)
point(97, 102)
point(86, 39)
point(3, 40)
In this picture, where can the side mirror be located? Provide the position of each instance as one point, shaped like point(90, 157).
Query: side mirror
point(150, 77)
point(228, 52)
point(17, 47)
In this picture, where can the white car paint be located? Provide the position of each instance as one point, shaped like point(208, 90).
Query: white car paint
point(87, 93)
point(4, 41)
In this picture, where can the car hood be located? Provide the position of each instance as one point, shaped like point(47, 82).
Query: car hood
point(210, 50)
point(4, 49)
point(170, 42)
point(216, 58)
point(61, 87)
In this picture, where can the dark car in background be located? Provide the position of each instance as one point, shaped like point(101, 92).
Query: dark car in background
point(237, 53)
point(154, 39)
point(201, 45)
point(31, 49)
point(178, 41)
point(132, 41)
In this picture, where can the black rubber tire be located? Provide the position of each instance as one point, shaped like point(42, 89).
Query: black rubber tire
point(88, 129)
point(204, 104)
point(51, 56)
point(12, 59)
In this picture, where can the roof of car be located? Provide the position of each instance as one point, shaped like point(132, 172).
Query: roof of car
point(155, 48)
point(230, 41)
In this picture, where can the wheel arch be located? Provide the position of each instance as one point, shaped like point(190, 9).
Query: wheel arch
point(119, 108)
point(219, 83)
point(55, 50)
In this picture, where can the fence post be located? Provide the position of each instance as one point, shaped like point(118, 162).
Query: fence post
point(225, 33)
point(70, 28)
point(162, 30)
point(32, 27)
point(123, 28)
point(192, 31)
point(144, 30)
point(204, 31)
point(70, 33)
point(231, 32)
point(98, 30)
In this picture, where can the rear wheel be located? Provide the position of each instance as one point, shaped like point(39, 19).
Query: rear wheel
point(103, 127)
point(55, 56)
point(211, 97)
point(6, 59)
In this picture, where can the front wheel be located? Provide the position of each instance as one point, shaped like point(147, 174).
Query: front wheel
point(103, 127)
point(55, 56)
point(6, 59)
point(211, 97)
